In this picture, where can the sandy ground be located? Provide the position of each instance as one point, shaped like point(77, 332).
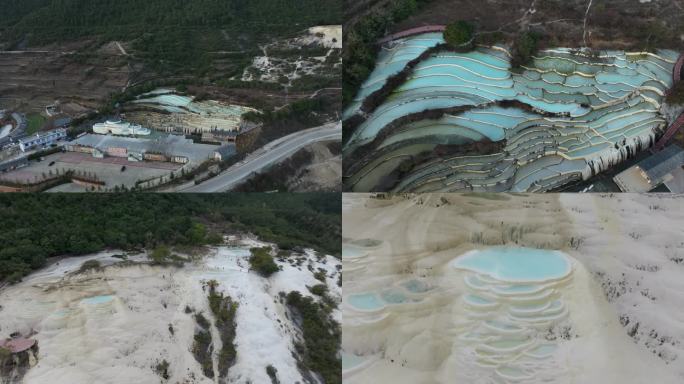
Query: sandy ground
point(323, 173)
point(626, 253)
point(112, 326)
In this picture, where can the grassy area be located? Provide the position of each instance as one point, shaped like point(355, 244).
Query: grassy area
point(35, 123)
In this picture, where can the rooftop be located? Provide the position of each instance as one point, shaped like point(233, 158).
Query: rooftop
point(662, 167)
point(18, 344)
point(170, 144)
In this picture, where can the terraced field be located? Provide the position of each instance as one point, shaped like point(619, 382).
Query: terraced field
point(566, 116)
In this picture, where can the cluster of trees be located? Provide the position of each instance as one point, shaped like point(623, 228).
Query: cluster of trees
point(676, 94)
point(322, 336)
point(224, 310)
point(525, 46)
point(35, 227)
point(298, 115)
point(262, 261)
point(360, 50)
point(459, 34)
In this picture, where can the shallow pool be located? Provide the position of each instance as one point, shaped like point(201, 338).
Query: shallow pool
point(516, 264)
point(352, 252)
point(366, 301)
point(98, 299)
point(350, 361)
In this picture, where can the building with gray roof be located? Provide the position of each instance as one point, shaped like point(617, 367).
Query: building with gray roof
point(663, 167)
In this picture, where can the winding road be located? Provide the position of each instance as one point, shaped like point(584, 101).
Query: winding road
point(270, 154)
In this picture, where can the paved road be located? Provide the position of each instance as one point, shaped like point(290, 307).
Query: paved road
point(270, 154)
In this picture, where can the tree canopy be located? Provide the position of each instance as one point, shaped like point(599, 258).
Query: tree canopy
point(35, 227)
point(459, 34)
point(170, 35)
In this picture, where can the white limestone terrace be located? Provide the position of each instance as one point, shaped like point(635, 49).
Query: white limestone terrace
point(286, 60)
point(112, 325)
point(431, 295)
point(188, 114)
point(586, 112)
point(513, 294)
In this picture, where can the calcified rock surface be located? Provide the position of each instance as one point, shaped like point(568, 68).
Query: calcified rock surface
point(419, 309)
point(113, 325)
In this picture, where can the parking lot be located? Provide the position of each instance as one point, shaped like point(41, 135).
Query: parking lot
point(108, 170)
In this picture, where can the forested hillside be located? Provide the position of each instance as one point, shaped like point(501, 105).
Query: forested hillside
point(34, 227)
point(165, 32)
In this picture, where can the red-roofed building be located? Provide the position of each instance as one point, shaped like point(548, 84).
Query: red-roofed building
point(17, 345)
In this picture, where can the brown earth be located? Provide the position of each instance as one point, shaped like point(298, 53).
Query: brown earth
point(31, 80)
point(616, 24)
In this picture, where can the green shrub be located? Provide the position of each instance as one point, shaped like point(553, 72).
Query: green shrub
point(272, 372)
point(162, 369)
point(526, 45)
point(319, 289)
point(160, 254)
point(320, 276)
point(262, 261)
point(88, 265)
point(202, 321)
point(459, 34)
point(676, 94)
point(214, 238)
point(322, 337)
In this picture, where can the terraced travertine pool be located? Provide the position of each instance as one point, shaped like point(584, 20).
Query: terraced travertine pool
point(565, 116)
point(502, 322)
point(512, 294)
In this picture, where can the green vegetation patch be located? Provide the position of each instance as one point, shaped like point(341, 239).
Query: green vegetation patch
point(525, 47)
point(35, 122)
point(262, 261)
point(459, 34)
point(322, 336)
point(202, 347)
point(89, 265)
point(171, 36)
point(37, 226)
point(676, 94)
point(224, 309)
point(360, 50)
point(162, 369)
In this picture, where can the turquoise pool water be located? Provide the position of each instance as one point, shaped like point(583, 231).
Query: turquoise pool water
point(366, 301)
point(416, 286)
point(98, 299)
point(516, 264)
point(352, 252)
point(393, 297)
point(350, 361)
point(581, 112)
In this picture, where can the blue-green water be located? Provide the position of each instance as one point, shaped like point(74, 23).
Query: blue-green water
point(350, 361)
point(98, 299)
point(366, 301)
point(516, 264)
